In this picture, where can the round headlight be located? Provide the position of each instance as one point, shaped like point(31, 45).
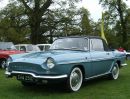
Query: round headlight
point(50, 63)
point(8, 61)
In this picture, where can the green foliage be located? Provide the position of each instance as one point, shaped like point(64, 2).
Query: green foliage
point(85, 22)
point(66, 18)
point(35, 20)
point(35, 11)
point(12, 24)
point(117, 10)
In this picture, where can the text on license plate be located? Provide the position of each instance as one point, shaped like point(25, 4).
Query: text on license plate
point(25, 77)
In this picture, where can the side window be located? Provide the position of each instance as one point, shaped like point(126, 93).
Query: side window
point(29, 48)
point(17, 47)
point(41, 48)
point(47, 47)
point(22, 48)
point(96, 45)
point(83, 44)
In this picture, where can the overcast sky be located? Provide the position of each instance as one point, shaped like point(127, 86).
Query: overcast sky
point(92, 5)
point(95, 9)
point(3, 3)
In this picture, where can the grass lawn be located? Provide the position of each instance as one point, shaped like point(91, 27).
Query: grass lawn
point(101, 88)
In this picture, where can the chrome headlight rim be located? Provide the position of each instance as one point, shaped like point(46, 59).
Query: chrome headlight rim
point(50, 63)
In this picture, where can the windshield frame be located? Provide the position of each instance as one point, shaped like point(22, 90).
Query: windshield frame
point(73, 49)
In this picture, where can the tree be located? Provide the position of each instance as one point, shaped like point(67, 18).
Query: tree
point(62, 18)
point(85, 22)
point(66, 18)
point(127, 18)
point(35, 10)
point(13, 27)
point(117, 9)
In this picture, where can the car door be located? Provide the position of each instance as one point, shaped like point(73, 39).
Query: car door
point(101, 57)
point(84, 44)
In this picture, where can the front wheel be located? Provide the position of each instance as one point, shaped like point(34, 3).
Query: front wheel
point(115, 72)
point(75, 79)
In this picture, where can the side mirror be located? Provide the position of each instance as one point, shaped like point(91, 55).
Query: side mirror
point(112, 49)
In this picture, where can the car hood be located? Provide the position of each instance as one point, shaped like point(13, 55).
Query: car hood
point(10, 52)
point(57, 55)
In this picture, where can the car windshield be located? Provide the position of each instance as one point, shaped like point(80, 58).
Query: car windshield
point(7, 46)
point(70, 43)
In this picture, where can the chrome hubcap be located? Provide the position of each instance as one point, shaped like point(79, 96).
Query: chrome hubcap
point(115, 72)
point(76, 79)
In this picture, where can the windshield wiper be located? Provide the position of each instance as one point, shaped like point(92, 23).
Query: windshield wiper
point(75, 48)
point(60, 49)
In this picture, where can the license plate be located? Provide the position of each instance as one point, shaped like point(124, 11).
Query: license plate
point(25, 77)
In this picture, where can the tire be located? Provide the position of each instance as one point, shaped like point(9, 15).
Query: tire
point(114, 72)
point(74, 80)
point(28, 84)
point(3, 63)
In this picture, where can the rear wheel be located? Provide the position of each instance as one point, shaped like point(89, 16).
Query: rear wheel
point(115, 72)
point(75, 80)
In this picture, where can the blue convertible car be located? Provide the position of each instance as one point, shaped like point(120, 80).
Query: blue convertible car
point(70, 59)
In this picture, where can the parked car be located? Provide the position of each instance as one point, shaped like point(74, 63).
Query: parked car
point(6, 49)
point(27, 47)
point(128, 54)
point(44, 47)
point(70, 59)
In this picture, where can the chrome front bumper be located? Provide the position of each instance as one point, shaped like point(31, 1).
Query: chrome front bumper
point(8, 74)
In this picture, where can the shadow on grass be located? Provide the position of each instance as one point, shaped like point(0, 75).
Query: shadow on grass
point(48, 89)
point(96, 81)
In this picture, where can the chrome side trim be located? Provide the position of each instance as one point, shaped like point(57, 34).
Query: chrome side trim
point(125, 64)
point(97, 76)
point(88, 60)
point(35, 76)
point(103, 59)
point(73, 62)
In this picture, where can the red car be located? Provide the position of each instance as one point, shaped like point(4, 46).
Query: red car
point(6, 49)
